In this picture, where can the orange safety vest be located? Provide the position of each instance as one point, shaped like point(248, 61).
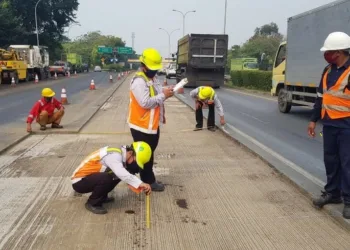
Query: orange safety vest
point(141, 119)
point(336, 100)
point(211, 98)
point(92, 163)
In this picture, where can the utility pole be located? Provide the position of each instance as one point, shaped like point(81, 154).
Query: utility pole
point(225, 17)
point(36, 23)
point(184, 17)
point(169, 41)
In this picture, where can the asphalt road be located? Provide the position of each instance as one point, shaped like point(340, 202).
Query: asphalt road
point(286, 134)
point(16, 103)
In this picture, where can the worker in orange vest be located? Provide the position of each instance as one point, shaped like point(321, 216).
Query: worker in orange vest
point(103, 169)
point(333, 107)
point(146, 109)
point(44, 111)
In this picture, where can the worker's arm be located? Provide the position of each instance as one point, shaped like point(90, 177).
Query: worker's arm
point(33, 113)
point(114, 162)
point(141, 92)
point(316, 112)
point(218, 105)
point(194, 93)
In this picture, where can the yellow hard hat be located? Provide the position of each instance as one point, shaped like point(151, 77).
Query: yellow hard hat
point(152, 59)
point(47, 92)
point(143, 153)
point(205, 93)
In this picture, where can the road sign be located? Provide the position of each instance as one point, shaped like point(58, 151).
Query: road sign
point(124, 50)
point(105, 50)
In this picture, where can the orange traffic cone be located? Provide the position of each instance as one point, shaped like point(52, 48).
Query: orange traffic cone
point(55, 75)
point(92, 85)
point(64, 99)
point(13, 82)
point(68, 74)
point(110, 78)
point(119, 76)
point(75, 72)
point(36, 78)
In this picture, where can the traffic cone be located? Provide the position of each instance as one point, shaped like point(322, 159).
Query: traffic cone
point(92, 85)
point(64, 99)
point(181, 91)
point(110, 78)
point(119, 76)
point(68, 74)
point(13, 82)
point(122, 74)
point(165, 82)
point(75, 72)
point(55, 75)
point(36, 78)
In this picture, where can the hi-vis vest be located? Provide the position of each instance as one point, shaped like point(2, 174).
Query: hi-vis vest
point(336, 100)
point(92, 163)
point(141, 119)
point(211, 98)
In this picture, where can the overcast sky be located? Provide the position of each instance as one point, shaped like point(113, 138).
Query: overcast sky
point(121, 18)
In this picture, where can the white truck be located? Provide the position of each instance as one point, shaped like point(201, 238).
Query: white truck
point(299, 63)
point(37, 59)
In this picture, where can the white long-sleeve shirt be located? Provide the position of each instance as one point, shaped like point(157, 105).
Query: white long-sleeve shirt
point(116, 161)
point(140, 89)
point(218, 105)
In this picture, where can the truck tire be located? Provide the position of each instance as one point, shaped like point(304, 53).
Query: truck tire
point(283, 105)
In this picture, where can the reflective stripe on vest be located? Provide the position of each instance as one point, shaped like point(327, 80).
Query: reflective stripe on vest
point(211, 98)
point(336, 100)
point(92, 163)
point(141, 119)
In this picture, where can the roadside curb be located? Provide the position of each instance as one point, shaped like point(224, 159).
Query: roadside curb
point(303, 183)
point(69, 131)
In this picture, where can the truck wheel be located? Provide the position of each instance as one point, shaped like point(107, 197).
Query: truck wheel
point(283, 105)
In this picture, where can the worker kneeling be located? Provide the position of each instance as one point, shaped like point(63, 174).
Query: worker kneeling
point(206, 96)
point(44, 111)
point(102, 170)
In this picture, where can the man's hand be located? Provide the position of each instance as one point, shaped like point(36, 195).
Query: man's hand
point(198, 104)
point(311, 129)
point(222, 121)
point(168, 92)
point(146, 188)
point(29, 128)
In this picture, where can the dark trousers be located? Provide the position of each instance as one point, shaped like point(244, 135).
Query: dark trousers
point(211, 115)
point(147, 174)
point(336, 143)
point(99, 184)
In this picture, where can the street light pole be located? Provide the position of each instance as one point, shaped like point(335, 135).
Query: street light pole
point(36, 23)
point(225, 17)
point(184, 16)
point(169, 35)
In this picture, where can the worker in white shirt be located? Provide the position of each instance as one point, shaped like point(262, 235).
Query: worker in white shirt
point(103, 169)
point(206, 96)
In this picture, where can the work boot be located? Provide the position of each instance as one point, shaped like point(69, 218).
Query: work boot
point(197, 128)
point(212, 129)
point(109, 200)
point(95, 209)
point(55, 125)
point(346, 211)
point(157, 187)
point(326, 198)
point(42, 127)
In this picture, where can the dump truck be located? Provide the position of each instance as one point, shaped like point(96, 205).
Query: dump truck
point(244, 64)
point(37, 59)
point(201, 58)
point(11, 66)
point(299, 63)
point(76, 62)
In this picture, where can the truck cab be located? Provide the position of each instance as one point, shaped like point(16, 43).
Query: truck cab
point(278, 70)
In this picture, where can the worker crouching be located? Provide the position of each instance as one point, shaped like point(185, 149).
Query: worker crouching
point(206, 97)
point(44, 111)
point(103, 169)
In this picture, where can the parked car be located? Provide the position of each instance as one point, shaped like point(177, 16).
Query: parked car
point(98, 69)
point(170, 71)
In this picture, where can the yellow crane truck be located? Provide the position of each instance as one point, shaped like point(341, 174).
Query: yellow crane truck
point(12, 66)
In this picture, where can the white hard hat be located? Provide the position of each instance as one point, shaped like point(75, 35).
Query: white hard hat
point(336, 41)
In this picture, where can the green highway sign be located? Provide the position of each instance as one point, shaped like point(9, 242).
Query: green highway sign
point(124, 50)
point(105, 50)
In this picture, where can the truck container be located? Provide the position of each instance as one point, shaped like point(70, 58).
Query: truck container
point(37, 59)
point(201, 58)
point(299, 63)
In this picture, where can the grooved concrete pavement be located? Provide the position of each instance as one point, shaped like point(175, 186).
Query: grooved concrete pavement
point(218, 195)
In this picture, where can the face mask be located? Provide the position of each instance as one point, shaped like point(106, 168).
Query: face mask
point(150, 73)
point(331, 57)
point(48, 99)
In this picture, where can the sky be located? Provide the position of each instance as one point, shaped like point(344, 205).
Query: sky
point(144, 18)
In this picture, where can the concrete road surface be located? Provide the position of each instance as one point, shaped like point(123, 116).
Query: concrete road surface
point(218, 195)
